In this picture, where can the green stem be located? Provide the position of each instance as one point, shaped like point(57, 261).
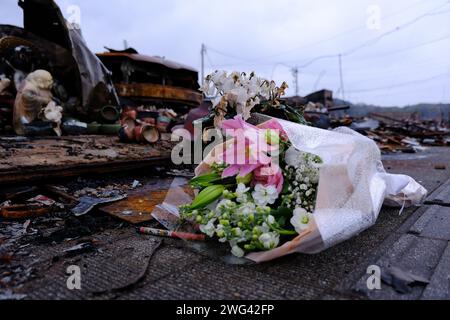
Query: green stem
point(283, 231)
point(287, 232)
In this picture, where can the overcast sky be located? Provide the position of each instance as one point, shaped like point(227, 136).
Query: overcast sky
point(380, 65)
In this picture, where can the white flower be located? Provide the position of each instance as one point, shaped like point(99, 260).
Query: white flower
point(228, 85)
point(241, 193)
point(269, 240)
point(237, 232)
point(225, 204)
point(301, 219)
point(208, 89)
point(240, 97)
point(239, 90)
point(265, 195)
point(247, 208)
point(237, 251)
point(236, 77)
point(254, 87)
point(219, 231)
point(267, 89)
point(270, 220)
point(208, 228)
point(219, 77)
point(264, 228)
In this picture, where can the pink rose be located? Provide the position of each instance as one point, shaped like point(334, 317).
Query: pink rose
point(269, 175)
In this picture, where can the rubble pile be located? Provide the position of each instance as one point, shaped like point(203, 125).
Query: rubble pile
point(393, 135)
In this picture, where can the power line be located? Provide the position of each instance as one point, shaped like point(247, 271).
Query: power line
point(313, 43)
point(209, 60)
point(398, 28)
point(342, 33)
point(348, 53)
point(401, 84)
point(383, 54)
point(363, 58)
point(319, 77)
point(368, 43)
point(376, 39)
point(228, 55)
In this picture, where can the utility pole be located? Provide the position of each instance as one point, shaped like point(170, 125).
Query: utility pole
point(341, 77)
point(125, 44)
point(202, 52)
point(295, 74)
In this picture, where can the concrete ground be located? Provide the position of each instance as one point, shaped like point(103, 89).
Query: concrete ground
point(122, 264)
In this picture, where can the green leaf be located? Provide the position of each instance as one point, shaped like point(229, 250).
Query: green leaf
point(204, 180)
point(281, 221)
point(207, 196)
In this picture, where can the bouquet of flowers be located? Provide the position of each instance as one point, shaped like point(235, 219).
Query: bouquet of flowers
point(257, 191)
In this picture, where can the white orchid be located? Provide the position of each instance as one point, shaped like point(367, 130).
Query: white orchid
point(238, 96)
point(265, 195)
point(218, 77)
point(228, 85)
point(254, 86)
point(238, 90)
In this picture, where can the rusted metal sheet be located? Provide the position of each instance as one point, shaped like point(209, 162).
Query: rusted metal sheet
point(138, 206)
point(155, 91)
point(140, 203)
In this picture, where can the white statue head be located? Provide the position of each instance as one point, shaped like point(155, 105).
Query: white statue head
point(41, 79)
